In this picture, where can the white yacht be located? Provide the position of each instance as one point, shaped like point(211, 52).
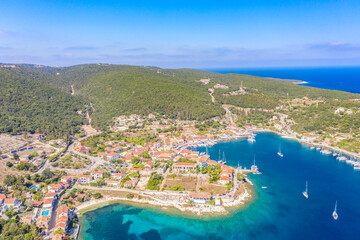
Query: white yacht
point(335, 215)
point(305, 193)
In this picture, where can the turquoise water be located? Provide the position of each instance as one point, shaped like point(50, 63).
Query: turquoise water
point(278, 212)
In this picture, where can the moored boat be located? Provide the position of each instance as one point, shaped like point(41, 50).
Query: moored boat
point(305, 193)
point(334, 214)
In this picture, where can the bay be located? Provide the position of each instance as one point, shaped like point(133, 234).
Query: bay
point(277, 212)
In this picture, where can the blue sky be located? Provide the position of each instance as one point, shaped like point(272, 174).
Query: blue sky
point(198, 34)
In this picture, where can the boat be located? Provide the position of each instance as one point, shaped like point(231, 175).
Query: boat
point(325, 151)
point(223, 161)
point(305, 193)
point(335, 154)
point(334, 214)
point(254, 168)
point(312, 147)
point(279, 152)
point(263, 187)
point(357, 166)
point(318, 148)
point(251, 139)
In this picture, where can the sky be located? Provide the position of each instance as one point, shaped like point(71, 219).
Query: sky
point(175, 34)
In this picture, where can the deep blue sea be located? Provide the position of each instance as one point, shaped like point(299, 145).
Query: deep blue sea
point(339, 78)
point(278, 212)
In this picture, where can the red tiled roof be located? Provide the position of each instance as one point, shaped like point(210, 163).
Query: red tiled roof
point(184, 164)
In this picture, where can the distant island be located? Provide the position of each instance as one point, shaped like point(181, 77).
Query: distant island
point(73, 138)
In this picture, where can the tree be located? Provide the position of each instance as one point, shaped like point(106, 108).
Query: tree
point(9, 164)
point(106, 175)
point(97, 195)
point(16, 157)
point(10, 180)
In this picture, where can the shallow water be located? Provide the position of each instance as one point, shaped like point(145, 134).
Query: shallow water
point(278, 212)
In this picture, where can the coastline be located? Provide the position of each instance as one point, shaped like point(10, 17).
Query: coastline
point(300, 82)
point(168, 207)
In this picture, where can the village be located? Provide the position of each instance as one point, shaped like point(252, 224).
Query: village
point(165, 171)
point(55, 180)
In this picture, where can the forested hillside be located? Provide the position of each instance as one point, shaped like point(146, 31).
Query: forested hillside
point(28, 105)
point(36, 98)
point(116, 93)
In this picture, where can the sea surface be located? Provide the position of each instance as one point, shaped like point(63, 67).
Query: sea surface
point(277, 212)
point(338, 78)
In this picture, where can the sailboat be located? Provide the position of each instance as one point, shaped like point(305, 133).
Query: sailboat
point(335, 215)
point(223, 161)
point(279, 152)
point(254, 168)
point(305, 193)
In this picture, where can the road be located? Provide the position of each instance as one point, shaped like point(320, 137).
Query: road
point(228, 114)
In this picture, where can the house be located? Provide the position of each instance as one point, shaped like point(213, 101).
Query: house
point(221, 86)
point(43, 222)
point(339, 110)
point(55, 188)
point(205, 81)
point(184, 166)
point(84, 179)
point(185, 152)
point(50, 195)
point(131, 183)
point(118, 149)
point(118, 176)
point(162, 135)
point(200, 198)
point(133, 117)
point(113, 156)
point(66, 179)
point(97, 175)
point(60, 226)
point(308, 138)
point(226, 172)
point(149, 165)
point(27, 220)
point(63, 210)
point(224, 180)
point(2, 198)
point(37, 204)
point(11, 202)
point(101, 154)
point(48, 203)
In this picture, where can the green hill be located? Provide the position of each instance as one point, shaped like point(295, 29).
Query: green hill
point(36, 98)
point(123, 92)
point(29, 105)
